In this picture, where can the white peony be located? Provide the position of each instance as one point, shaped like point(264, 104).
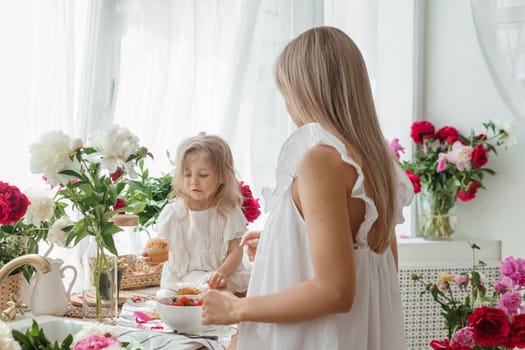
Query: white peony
point(75, 145)
point(56, 233)
point(41, 207)
point(50, 155)
point(509, 129)
point(6, 338)
point(114, 145)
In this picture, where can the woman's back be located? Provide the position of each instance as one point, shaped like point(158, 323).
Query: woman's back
point(283, 260)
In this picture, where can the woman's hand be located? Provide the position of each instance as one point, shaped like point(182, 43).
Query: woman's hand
point(219, 308)
point(216, 280)
point(250, 241)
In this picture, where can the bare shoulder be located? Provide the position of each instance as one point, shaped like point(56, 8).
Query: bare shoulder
point(323, 161)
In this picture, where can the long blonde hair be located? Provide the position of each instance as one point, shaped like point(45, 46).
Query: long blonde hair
point(228, 193)
point(323, 76)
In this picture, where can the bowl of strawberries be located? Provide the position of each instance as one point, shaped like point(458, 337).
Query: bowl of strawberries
point(182, 313)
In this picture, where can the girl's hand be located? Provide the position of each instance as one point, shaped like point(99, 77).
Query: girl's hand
point(147, 259)
point(219, 308)
point(250, 241)
point(216, 280)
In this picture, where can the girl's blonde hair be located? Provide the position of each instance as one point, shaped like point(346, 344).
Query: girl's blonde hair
point(228, 193)
point(324, 79)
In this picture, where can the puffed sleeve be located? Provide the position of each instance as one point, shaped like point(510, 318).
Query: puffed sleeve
point(169, 218)
point(405, 193)
point(235, 226)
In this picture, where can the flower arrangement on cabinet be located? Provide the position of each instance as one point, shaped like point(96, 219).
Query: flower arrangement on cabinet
point(487, 317)
point(448, 166)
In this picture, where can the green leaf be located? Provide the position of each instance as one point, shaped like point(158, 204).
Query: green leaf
point(109, 243)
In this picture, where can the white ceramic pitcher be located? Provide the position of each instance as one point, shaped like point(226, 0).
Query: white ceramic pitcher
point(49, 297)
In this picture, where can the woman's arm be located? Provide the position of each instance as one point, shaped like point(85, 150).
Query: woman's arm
point(218, 279)
point(321, 183)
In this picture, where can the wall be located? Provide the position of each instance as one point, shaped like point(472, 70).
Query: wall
point(459, 91)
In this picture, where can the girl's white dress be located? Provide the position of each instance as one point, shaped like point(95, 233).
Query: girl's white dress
point(198, 245)
point(283, 260)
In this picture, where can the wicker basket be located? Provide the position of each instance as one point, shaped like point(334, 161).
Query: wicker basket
point(139, 274)
point(11, 285)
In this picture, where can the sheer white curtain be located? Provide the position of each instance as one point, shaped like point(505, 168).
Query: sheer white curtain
point(189, 66)
point(500, 27)
point(38, 66)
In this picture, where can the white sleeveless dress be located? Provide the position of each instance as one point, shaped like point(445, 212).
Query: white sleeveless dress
point(375, 321)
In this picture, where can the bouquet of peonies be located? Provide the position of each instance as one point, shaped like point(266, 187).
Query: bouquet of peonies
point(487, 317)
point(447, 166)
point(24, 220)
point(90, 180)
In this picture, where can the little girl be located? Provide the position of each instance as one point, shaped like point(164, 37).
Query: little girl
point(204, 223)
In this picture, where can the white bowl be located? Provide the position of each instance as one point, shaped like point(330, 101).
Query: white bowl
point(181, 318)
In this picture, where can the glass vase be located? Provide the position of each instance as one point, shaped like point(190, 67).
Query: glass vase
point(100, 283)
point(437, 213)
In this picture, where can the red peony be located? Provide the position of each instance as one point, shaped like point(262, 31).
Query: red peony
point(13, 204)
point(481, 137)
point(119, 203)
point(470, 193)
point(479, 156)
point(416, 181)
point(250, 205)
point(422, 130)
point(491, 326)
point(116, 175)
point(517, 331)
point(448, 135)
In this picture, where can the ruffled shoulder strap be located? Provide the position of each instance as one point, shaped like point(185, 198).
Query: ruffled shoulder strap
point(300, 141)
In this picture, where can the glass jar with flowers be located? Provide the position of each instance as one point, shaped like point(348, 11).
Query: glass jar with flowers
point(448, 166)
point(478, 316)
point(91, 178)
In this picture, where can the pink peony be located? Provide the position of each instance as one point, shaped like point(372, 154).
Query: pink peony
point(96, 342)
point(510, 302)
point(461, 280)
point(396, 148)
point(460, 155)
point(464, 337)
point(505, 284)
point(514, 269)
point(442, 162)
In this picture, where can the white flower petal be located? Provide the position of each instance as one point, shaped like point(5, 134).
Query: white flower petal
point(41, 207)
point(50, 155)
